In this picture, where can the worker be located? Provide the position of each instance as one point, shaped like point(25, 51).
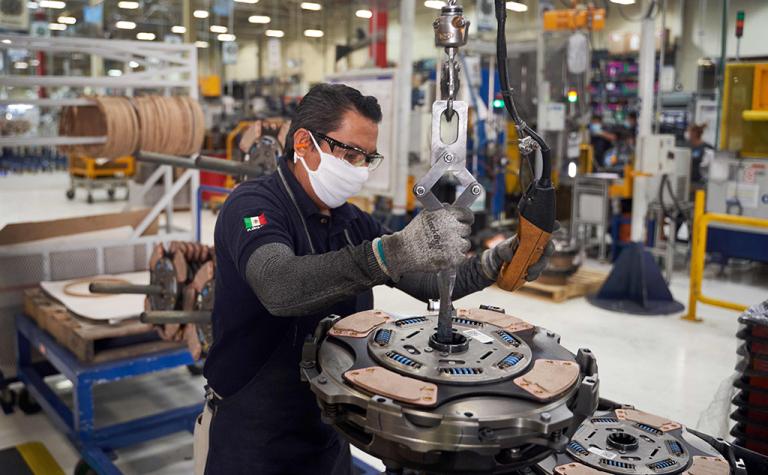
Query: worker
point(600, 139)
point(702, 154)
point(290, 251)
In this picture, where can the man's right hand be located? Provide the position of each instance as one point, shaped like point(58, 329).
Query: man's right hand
point(432, 241)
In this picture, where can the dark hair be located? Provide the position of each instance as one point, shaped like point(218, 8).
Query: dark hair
point(322, 109)
point(632, 115)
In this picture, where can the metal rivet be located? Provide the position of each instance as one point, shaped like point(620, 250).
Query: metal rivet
point(419, 190)
point(448, 157)
point(476, 189)
point(428, 350)
point(322, 380)
point(545, 416)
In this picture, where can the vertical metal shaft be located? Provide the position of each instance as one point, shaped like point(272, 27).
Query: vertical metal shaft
point(446, 280)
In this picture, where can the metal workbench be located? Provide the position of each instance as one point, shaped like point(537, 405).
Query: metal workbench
point(96, 445)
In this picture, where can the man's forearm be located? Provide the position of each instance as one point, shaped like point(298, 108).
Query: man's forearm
point(290, 285)
point(469, 279)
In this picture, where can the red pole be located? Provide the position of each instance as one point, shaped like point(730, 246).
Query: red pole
point(377, 25)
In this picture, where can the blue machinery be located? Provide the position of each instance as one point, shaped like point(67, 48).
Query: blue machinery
point(96, 445)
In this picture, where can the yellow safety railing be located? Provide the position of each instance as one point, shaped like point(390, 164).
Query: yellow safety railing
point(698, 253)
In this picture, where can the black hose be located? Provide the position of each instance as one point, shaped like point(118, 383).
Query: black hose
point(506, 94)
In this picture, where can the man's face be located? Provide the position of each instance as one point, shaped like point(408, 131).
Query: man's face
point(355, 130)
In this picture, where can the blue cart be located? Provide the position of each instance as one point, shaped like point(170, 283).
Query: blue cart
point(96, 445)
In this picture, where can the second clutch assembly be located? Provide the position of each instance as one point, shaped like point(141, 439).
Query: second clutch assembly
point(505, 399)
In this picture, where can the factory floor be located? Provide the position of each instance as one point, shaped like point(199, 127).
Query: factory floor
point(659, 364)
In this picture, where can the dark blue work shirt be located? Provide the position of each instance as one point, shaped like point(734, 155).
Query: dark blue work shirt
point(271, 209)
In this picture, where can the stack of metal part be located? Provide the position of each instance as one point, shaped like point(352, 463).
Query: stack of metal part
point(179, 295)
point(506, 398)
point(751, 414)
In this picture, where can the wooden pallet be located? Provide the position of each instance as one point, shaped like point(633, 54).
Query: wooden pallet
point(583, 282)
point(89, 340)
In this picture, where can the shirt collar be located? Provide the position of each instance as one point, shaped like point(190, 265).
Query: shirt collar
point(306, 206)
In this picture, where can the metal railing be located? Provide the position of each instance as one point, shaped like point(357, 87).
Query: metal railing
point(701, 221)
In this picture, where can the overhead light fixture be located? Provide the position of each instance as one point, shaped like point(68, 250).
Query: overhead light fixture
point(128, 5)
point(114, 73)
point(133, 64)
point(57, 26)
point(260, 19)
point(32, 5)
point(200, 14)
point(364, 14)
point(125, 25)
point(145, 36)
point(226, 37)
point(67, 20)
point(20, 65)
point(55, 4)
point(517, 7)
point(249, 2)
point(35, 63)
point(201, 44)
point(275, 33)
point(623, 2)
point(311, 6)
point(218, 29)
point(178, 29)
point(313, 33)
point(436, 4)
point(7, 41)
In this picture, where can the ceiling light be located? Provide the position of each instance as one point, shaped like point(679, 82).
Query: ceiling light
point(313, 33)
point(125, 25)
point(250, 2)
point(623, 2)
point(55, 4)
point(262, 19)
point(128, 5)
point(311, 6)
point(226, 37)
point(363, 14)
point(178, 29)
point(7, 41)
point(436, 4)
point(145, 36)
point(32, 5)
point(517, 7)
point(20, 65)
point(275, 33)
point(114, 73)
point(34, 62)
point(67, 20)
point(200, 14)
point(57, 26)
point(218, 29)
point(201, 44)
point(133, 64)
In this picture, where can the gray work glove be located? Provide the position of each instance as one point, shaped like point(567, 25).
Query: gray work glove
point(492, 259)
point(432, 241)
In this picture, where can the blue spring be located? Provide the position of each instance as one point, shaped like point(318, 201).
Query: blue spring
point(507, 338)
point(617, 464)
point(604, 420)
point(675, 448)
point(402, 359)
point(461, 371)
point(649, 429)
point(410, 321)
point(511, 360)
point(662, 464)
point(466, 321)
point(382, 336)
point(578, 448)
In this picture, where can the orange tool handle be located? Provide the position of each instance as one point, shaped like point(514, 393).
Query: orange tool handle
point(532, 241)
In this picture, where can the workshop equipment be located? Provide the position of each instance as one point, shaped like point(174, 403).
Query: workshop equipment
point(624, 440)
point(94, 173)
point(504, 399)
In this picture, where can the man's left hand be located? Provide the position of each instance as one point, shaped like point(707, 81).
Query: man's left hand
point(492, 259)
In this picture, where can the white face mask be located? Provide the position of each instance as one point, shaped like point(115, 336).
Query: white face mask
point(335, 180)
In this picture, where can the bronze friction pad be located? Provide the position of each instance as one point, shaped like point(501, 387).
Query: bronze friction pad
point(661, 423)
point(359, 325)
point(708, 466)
point(382, 381)
point(577, 469)
point(549, 378)
point(507, 322)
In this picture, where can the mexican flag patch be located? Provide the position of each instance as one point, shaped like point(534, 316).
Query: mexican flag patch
point(254, 222)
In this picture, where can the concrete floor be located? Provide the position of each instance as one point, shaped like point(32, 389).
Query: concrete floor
point(660, 364)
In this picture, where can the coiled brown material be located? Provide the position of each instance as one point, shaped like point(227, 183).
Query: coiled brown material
point(171, 125)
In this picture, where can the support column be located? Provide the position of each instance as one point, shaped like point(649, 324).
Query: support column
point(404, 74)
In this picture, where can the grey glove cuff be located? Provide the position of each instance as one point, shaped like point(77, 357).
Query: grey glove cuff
point(491, 260)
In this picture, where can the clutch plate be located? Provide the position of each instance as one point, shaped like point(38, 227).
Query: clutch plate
point(504, 399)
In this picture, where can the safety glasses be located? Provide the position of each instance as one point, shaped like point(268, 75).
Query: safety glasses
point(352, 155)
